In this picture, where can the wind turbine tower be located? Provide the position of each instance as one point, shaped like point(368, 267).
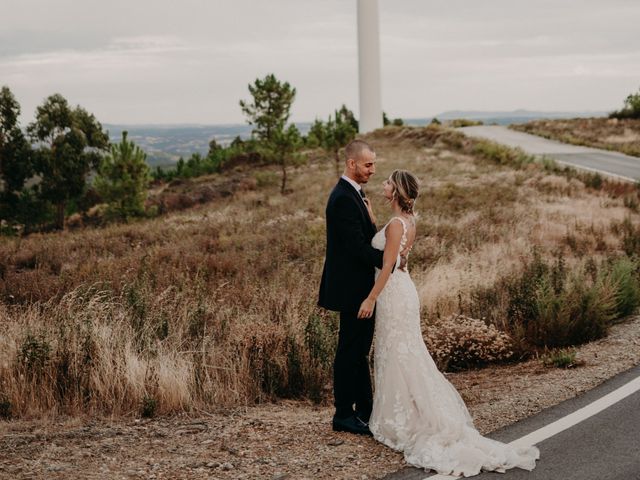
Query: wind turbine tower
point(369, 66)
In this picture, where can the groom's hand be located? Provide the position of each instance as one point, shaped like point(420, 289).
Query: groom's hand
point(403, 262)
point(366, 309)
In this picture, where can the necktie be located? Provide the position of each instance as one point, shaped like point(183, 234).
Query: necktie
point(362, 193)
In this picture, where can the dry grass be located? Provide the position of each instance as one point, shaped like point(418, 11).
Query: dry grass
point(215, 305)
point(607, 133)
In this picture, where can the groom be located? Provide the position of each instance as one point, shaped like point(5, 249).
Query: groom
point(347, 279)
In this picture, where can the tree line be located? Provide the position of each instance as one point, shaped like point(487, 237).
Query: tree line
point(61, 164)
point(63, 161)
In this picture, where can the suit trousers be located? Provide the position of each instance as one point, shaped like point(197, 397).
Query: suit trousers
point(351, 376)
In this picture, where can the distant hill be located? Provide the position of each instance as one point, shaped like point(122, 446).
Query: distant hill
point(502, 117)
point(165, 144)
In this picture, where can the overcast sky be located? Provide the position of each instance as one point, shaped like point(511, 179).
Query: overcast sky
point(189, 61)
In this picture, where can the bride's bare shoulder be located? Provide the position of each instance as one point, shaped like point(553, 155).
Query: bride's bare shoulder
point(394, 229)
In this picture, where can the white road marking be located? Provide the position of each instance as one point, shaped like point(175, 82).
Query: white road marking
point(568, 421)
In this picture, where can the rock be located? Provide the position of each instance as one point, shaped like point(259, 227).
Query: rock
point(335, 442)
point(280, 476)
point(227, 466)
point(55, 468)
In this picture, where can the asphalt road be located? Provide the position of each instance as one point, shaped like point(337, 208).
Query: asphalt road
point(605, 446)
point(609, 163)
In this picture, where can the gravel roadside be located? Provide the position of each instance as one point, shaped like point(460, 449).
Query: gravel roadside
point(287, 440)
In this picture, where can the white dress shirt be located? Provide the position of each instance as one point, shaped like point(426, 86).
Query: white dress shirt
point(353, 184)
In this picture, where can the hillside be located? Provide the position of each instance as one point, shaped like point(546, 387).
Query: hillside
point(215, 305)
point(203, 312)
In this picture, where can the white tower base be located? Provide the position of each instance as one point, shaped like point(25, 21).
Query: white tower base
point(369, 66)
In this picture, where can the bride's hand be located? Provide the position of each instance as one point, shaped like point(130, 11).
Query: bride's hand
point(370, 209)
point(366, 309)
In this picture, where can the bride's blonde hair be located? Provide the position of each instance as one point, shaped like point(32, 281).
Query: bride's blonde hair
point(405, 188)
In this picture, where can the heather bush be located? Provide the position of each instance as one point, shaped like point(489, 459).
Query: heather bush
point(462, 342)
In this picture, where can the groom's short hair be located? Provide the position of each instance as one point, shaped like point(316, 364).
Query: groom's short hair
point(355, 148)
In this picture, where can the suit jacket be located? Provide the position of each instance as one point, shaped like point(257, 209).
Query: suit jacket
point(349, 267)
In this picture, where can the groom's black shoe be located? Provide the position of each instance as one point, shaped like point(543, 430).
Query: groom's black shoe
point(351, 424)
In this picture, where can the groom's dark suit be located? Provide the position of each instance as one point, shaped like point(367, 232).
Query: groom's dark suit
point(347, 279)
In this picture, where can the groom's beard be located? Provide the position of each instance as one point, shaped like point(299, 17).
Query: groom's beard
point(362, 178)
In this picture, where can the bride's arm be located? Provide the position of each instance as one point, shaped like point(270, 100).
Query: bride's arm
point(393, 234)
point(370, 210)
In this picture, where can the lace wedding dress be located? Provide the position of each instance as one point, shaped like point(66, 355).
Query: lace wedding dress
point(415, 408)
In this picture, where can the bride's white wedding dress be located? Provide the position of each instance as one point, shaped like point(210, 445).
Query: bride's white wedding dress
point(415, 408)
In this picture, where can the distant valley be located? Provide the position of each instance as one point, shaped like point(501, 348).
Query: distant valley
point(165, 144)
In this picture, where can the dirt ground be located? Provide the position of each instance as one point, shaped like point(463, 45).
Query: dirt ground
point(287, 440)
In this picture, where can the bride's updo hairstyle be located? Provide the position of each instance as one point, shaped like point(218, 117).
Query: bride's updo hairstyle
point(405, 189)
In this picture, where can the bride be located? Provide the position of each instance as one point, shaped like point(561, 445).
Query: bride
point(415, 408)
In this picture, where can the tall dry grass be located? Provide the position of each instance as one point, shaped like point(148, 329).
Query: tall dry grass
point(215, 305)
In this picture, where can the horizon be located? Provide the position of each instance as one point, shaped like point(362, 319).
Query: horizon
point(596, 113)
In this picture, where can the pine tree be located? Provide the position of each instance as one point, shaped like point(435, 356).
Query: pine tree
point(285, 145)
point(339, 131)
point(269, 112)
point(123, 179)
point(270, 109)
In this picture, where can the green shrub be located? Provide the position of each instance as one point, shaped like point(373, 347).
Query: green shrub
point(463, 122)
point(5, 408)
point(630, 236)
point(631, 107)
point(320, 339)
point(502, 155)
point(266, 178)
point(149, 407)
point(631, 202)
point(593, 180)
point(623, 274)
point(34, 353)
point(570, 313)
point(548, 306)
point(563, 358)
point(555, 311)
